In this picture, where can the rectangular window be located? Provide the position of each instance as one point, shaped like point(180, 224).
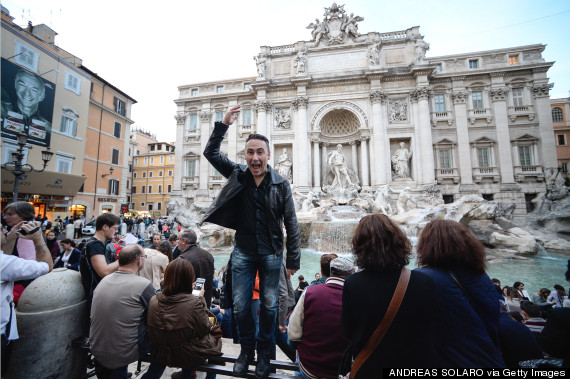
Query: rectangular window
point(162, 159)
point(151, 160)
point(150, 174)
point(437, 67)
point(128, 183)
point(219, 116)
point(439, 103)
point(26, 56)
point(513, 59)
point(72, 82)
point(445, 158)
point(169, 188)
point(146, 161)
point(64, 164)
point(191, 168)
point(115, 156)
point(142, 205)
point(477, 100)
point(246, 116)
point(484, 157)
point(134, 190)
point(159, 206)
point(195, 92)
point(219, 89)
point(169, 172)
point(113, 187)
point(160, 188)
point(130, 167)
point(68, 125)
point(193, 121)
point(561, 139)
point(247, 86)
point(144, 174)
point(563, 167)
point(525, 156)
point(119, 106)
point(149, 189)
point(160, 173)
point(151, 147)
point(150, 207)
point(117, 131)
point(517, 97)
point(447, 199)
point(134, 175)
point(171, 159)
point(159, 147)
point(143, 189)
point(473, 63)
point(136, 161)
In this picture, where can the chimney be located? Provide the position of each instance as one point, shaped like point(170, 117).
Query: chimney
point(43, 32)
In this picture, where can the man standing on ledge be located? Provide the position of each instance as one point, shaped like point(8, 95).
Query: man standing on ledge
point(255, 201)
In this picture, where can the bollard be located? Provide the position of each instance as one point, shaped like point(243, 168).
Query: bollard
point(50, 314)
point(123, 229)
point(69, 231)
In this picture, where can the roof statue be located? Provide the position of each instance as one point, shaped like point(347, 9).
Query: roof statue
point(336, 28)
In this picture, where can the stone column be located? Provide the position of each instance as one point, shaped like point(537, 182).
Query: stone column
point(324, 160)
point(354, 157)
point(364, 160)
point(316, 164)
point(422, 95)
point(261, 107)
point(178, 158)
point(302, 154)
point(463, 149)
point(545, 127)
point(380, 140)
point(499, 97)
point(205, 119)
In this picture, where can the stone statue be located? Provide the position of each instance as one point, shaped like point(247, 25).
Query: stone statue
point(284, 166)
point(320, 29)
point(421, 48)
point(383, 201)
point(349, 25)
point(283, 119)
point(400, 162)
point(261, 62)
point(404, 197)
point(179, 213)
point(374, 55)
point(301, 62)
point(339, 169)
point(307, 202)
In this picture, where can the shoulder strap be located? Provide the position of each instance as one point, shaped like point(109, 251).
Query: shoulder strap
point(382, 328)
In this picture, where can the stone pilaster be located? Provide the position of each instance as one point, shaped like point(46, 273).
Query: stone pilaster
point(316, 164)
point(302, 146)
point(380, 141)
point(542, 108)
point(421, 95)
point(499, 97)
point(205, 120)
point(464, 154)
point(324, 162)
point(354, 146)
point(178, 158)
point(364, 160)
point(262, 107)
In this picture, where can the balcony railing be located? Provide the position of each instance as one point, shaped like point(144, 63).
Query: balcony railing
point(190, 181)
point(522, 172)
point(480, 114)
point(447, 174)
point(521, 111)
point(445, 116)
point(244, 129)
point(480, 173)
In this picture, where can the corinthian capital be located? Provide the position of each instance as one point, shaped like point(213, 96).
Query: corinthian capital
point(499, 94)
point(263, 105)
point(378, 97)
point(205, 116)
point(541, 90)
point(300, 102)
point(180, 119)
point(459, 97)
point(421, 93)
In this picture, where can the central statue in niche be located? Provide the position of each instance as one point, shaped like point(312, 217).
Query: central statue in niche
point(340, 182)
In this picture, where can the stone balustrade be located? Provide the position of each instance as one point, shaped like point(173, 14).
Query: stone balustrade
point(521, 111)
point(480, 173)
point(480, 114)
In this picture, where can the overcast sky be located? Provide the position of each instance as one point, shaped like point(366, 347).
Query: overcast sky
point(148, 49)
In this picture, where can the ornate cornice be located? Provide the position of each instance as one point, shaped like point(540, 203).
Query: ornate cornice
point(459, 97)
point(378, 97)
point(499, 94)
point(180, 119)
point(300, 102)
point(541, 90)
point(205, 115)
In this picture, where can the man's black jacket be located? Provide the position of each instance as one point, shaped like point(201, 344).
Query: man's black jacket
point(280, 207)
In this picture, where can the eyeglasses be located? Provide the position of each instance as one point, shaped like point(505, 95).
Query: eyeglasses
point(143, 256)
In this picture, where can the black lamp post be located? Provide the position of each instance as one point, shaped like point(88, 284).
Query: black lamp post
point(20, 169)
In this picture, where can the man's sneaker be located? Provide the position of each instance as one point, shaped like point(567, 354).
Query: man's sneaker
point(245, 358)
point(263, 365)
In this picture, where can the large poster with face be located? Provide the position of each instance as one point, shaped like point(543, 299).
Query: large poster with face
point(27, 104)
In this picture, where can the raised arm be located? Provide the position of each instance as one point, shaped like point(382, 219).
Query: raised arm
point(212, 151)
point(34, 233)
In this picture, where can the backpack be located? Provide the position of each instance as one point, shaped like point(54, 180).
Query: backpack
point(48, 226)
point(89, 277)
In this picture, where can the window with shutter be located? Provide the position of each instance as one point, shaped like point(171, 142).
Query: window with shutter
point(115, 156)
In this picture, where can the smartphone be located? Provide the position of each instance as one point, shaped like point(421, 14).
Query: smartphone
point(198, 286)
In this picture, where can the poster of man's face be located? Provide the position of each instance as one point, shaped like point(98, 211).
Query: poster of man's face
point(27, 104)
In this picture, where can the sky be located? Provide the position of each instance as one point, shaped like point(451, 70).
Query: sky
point(148, 49)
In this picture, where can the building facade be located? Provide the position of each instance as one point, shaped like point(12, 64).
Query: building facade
point(475, 123)
point(106, 152)
point(46, 98)
point(153, 179)
point(561, 121)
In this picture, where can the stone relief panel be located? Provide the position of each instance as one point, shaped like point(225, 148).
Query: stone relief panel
point(282, 118)
point(397, 111)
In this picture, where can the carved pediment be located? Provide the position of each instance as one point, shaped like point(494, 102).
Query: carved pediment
point(525, 138)
point(445, 141)
point(484, 140)
point(190, 155)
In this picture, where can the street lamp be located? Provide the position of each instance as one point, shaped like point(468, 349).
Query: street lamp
point(20, 169)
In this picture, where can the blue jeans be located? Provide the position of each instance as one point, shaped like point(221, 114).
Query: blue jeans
point(244, 268)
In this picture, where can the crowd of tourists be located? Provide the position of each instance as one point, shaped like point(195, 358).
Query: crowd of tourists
point(166, 304)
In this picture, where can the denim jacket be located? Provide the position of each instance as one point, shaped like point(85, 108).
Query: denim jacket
point(280, 208)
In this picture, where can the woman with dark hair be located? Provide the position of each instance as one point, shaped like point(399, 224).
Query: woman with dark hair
point(467, 326)
point(69, 257)
point(514, 299)
point(52, 244)
point(165, 247)
point(522, 292)
point(14, 213)
point(541, 297)
point(178, 322)
point(382, 251)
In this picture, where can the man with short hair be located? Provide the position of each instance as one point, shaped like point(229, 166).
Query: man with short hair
point(318, 313)
point(77, 225)
point(325, 269)
point(532, 316)
point(256, 202)
point(95, 264)
point(156, 239)
point(118, 334)
point(202, 261)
